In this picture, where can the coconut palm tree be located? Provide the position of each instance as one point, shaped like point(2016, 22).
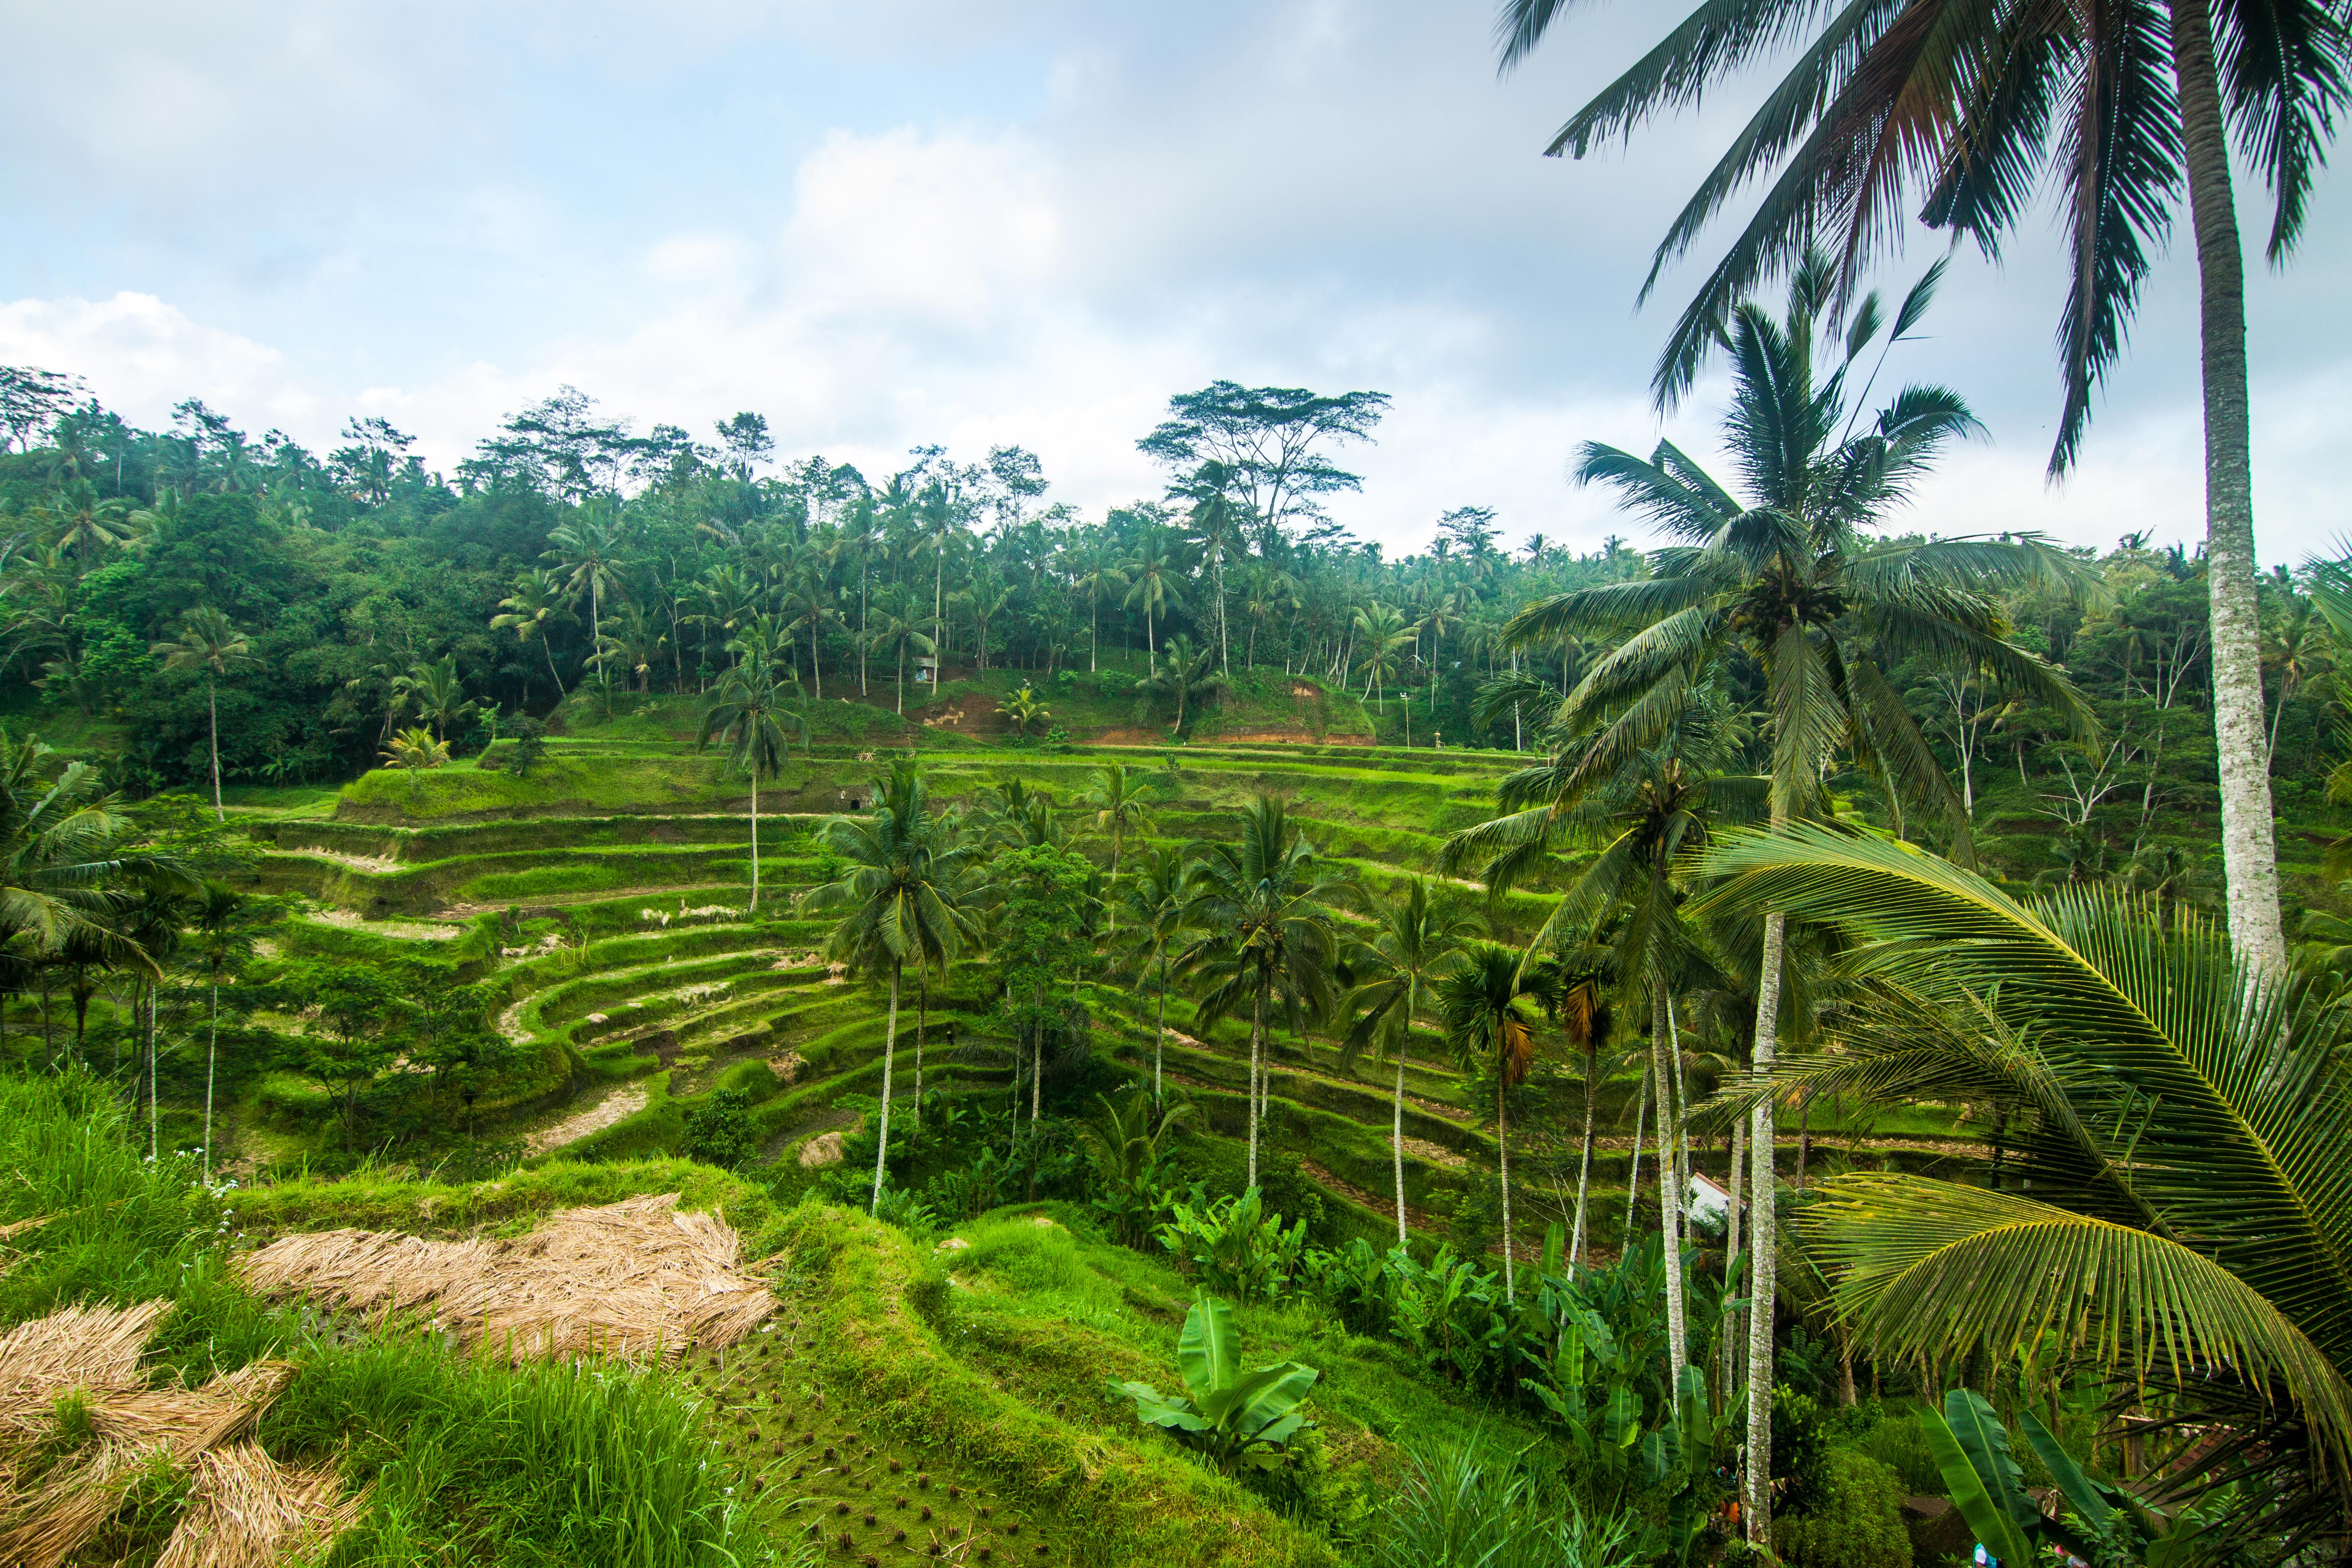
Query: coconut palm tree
point(530, 612)
point(892, 625)
point(1118, 803)
point(1973, 103)
point(85, 523)
point(748, 715)
point(1179, 671)
point(1416, 949)
point(1096, 575)
point(1263, 906)
point(217, 917)
point(808, 605)
point(1660, 805)
point(435, 692)
point(1156, 903)
point(904, 899)
point(1490, 1024)
point(1155, 584)
point(586, 551)
point(2182, 1133)
point(208, 642)
point(1789, 580)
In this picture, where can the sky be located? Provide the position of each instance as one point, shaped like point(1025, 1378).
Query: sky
point(975, 222)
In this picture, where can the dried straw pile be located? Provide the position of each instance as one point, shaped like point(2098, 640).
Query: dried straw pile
point(246, 1510)
point(633, 1278)
point(91, 1354)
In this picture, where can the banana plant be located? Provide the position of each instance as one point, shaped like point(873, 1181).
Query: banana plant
point(1237, 1419)
point(1971, 1449)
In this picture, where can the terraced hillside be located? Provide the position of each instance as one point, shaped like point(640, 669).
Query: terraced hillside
point(607, 901)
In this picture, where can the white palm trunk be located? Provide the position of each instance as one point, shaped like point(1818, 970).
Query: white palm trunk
point(1669, 1198)
point(1763, 1237)
point(889, 1048)
point(1584, 1160)
point(1502, 1149)
point(1396, 1143)
point(755, 836)
point(2249, 845)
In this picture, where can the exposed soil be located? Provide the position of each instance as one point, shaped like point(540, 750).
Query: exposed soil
point(619, 1106)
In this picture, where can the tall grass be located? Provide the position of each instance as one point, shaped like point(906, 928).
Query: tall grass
point(1471, 1504)
point(117, 1227)
point(476, 1461)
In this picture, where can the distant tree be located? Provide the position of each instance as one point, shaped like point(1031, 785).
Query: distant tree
point(745, 441)
point(357, 1005)
point(1118, 802)
point(1490, 1026)
point(209, 643)
point(903, 899)
point(530, 612)
point(586, 551)
point(1022, 709)
point(1414, 948)
point(1269, 440)
point(1182, 673)
point(1263, 906)
point(1156, 901)
point(748, 715)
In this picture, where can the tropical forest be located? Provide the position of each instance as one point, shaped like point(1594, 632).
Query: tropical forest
point(646, 996)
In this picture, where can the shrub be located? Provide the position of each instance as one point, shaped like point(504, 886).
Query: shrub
point(1235, 1245)
point(1854, 1520)
point(721, 1132)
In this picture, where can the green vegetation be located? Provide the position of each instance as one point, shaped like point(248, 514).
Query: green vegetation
point(1063, 952)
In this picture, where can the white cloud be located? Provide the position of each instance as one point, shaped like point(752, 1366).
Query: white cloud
point(143, 355)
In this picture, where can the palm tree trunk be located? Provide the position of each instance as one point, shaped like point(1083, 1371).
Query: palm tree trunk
point(1731, 1249)
point(922, 1022)
point(755, 836)
point(889, 1050)
point(154, 1111)
point(1117, 841)
point(1160, 1040)
point(1669, 1216)
point(1584, 1161)
point(212, 704)
point(816, 671)
point(1633, 1179)
point(1257, 1024)
point(547, 646)
point(2249, 847)
point(1503, 1153)
point(1763, 1234)
point(212, 1056)
point(1396, 1106)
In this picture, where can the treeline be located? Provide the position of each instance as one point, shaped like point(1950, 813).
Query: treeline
point(570, 550)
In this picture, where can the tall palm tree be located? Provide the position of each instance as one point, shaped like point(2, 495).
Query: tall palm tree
point(1215, 520)
point(530, 612)
point(217, 917)
point(85, 523)
point(1155, 584)
point(1382, 635)
point(808, 605)
point(1118, 802)
point(208, 642)
point(1414, 948)
point(749, 716)
point(1661, 805)
point(1156, 901)
point(1263, 906)
point(903, 899)
point(586, 551)
point(1184, 673)
point(435, 692)
point(892, 625)
point(1789, 580)
point(1096, 575)
point(1973, 103)
point(2184, 1130)
point(1490, 1024)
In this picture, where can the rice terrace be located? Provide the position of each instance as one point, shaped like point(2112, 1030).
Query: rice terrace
point(1724, 972)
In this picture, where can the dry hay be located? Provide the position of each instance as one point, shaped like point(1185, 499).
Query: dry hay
point(632, 1279)
point(94, 1348)
point(246, 1510)
point(93, 1354)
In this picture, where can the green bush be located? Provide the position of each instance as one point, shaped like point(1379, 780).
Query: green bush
point(1854, 1520)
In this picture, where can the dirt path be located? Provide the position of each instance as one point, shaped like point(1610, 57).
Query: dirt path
point(619, 1106)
